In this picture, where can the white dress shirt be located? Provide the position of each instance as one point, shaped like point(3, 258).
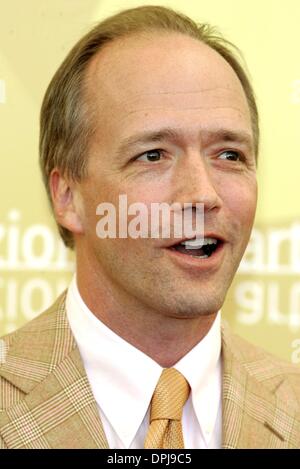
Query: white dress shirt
point(123, 380)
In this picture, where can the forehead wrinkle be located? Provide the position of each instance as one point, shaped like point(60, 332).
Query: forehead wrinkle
point(192, 108)
point(135, 98)
point(146, 110)
point(129, 107)
point(202, 90)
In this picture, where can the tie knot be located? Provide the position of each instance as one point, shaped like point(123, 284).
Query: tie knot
point(170, 395)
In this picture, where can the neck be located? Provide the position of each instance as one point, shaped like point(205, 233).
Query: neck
point(163, 338)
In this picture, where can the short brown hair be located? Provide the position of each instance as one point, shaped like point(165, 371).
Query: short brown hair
point(66, 122)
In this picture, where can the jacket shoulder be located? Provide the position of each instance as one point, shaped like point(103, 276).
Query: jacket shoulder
point(26, 346)
point(263, 366)
point(46, 319)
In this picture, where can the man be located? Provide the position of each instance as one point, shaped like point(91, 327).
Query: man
point(151, 106)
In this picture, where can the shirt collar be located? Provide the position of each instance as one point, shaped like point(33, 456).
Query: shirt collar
point(201, 367)
point(123, 378)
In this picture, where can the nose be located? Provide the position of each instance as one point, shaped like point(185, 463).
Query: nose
point(195, 183)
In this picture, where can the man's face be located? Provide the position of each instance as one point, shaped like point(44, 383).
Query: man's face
point(199, 149)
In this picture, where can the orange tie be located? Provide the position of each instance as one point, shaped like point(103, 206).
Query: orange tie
point(170, 395)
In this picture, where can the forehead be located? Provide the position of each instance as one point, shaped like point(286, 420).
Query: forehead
point(164, 74)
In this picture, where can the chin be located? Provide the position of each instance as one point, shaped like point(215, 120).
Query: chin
point(183, 307)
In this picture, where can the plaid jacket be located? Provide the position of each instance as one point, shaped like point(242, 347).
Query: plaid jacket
point(46, 400)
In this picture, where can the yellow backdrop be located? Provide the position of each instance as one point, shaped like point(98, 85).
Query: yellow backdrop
point(263, 304)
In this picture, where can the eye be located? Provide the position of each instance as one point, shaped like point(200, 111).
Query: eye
point(150, 156)
point(230, 155)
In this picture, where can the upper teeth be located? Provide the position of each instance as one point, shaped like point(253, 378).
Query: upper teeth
point(198, 243)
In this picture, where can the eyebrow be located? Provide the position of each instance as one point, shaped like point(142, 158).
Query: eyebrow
point(219, 134)
point(148, 137)
point(228, 135)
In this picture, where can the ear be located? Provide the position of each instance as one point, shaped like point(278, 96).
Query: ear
point(66, 202)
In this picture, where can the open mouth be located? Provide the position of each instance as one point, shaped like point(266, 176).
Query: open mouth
point(198, 248)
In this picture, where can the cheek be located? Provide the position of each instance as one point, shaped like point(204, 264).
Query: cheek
point(239, 199)
point(155, 185)
point(148, 191)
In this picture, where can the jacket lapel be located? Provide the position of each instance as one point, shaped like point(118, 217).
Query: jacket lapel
point(256, 411)
point(59, 410)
